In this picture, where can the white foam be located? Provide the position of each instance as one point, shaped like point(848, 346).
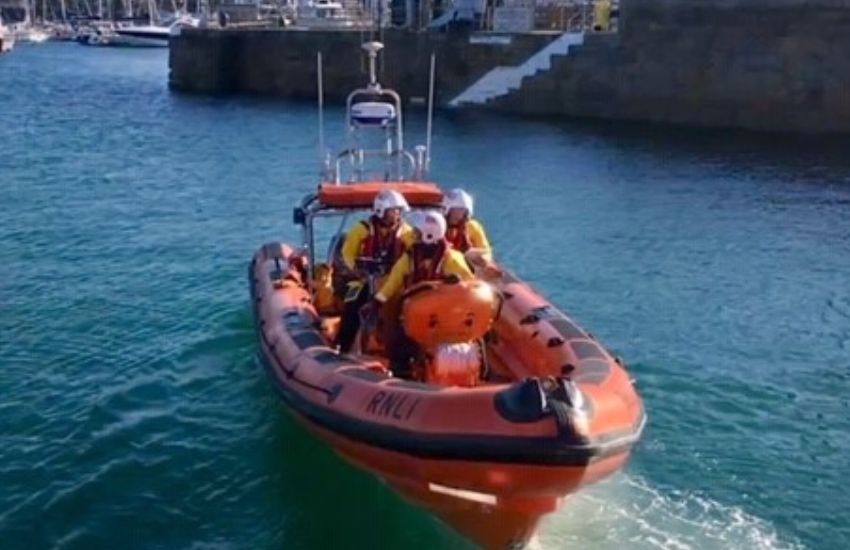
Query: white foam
point(627, 512)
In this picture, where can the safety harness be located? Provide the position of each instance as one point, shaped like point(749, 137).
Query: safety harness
point(384, 246)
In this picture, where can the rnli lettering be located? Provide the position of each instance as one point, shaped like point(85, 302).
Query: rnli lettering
point(392, 405)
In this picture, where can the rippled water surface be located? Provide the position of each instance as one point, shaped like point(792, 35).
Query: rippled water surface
point(133, 412)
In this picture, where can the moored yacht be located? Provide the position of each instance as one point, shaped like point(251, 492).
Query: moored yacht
point(138, 36)
point(7, 39)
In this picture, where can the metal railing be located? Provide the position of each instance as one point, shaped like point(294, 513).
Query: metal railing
point(398, 165)
point(554, 15)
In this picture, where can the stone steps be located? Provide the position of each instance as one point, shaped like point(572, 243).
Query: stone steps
point(502, 80)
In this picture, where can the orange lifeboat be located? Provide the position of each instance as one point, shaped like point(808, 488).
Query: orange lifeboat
point(514, 408)
point(510, 405)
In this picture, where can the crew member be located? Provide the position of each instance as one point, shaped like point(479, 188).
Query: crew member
point(381, 239)
point(467, 235)
point(431, 258)
point(463, 231)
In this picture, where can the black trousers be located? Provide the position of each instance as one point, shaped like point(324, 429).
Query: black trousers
point(402, 352)
point(349, 324)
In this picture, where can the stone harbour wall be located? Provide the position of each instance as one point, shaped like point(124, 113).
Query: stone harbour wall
point(774, 65)
point(777, 65)
point(283, 63)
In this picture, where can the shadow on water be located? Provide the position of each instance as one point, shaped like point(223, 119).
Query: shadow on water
point(332, 504)
point(322, 501)
point(812, 158)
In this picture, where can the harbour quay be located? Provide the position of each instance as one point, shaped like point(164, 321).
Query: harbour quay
point(766, 65)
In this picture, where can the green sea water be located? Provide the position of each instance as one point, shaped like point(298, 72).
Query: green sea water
point(133, 411)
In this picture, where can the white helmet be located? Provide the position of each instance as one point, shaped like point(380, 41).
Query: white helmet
point(431, 225)
point(389, 198)
point(457, 198)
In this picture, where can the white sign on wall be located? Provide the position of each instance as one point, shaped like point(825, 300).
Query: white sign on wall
point(513, 19)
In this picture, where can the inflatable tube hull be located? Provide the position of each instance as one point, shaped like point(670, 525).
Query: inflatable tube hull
point(490, 460)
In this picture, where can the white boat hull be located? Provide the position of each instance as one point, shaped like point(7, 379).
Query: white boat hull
point(138, 39)
point(123, 39)
point(137, 36)
point(36, 36)
point(6, 43)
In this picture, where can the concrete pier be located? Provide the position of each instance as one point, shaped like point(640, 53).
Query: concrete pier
point(775, 65)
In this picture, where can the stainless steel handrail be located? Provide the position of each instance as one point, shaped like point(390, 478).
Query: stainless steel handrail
point(357, 157)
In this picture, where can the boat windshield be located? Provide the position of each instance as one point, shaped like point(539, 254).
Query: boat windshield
point(330, 229)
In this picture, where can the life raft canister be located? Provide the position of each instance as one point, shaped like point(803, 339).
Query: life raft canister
point(436, 313)
point(447, 320)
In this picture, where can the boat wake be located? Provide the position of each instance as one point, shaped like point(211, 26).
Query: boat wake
point(626, 511)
